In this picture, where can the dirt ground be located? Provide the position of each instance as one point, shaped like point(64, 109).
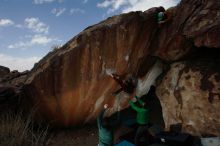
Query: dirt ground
point(84, 136)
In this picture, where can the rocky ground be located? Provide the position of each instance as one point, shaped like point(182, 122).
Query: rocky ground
point(85, 136)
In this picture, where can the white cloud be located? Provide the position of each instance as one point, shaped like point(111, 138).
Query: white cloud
point(42, 1)
point(113, 4)
point(40, 40)
point(36, 25)
point(60, 1)
point(105, 4)
point(134, 5)
point(146, 4)
point(46, 1)
point(20, 44)
point(117, 4)
point(6, 22)
point(18, 26)
point(76, 10)
point(58, 11)
point(35, 40)
point(85, 1)
point(18, 63)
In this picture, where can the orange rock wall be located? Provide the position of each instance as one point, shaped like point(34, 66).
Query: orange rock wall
point(71, 84)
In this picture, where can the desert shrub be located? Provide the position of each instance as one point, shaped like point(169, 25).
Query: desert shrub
point(55, 47)
point(15, 130)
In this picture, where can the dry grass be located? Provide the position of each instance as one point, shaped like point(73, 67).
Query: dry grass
point(18, 131)
point(55, 47)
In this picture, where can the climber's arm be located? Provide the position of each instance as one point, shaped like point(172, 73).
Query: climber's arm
point(139, 100)
point(117, 79)
point(118, 91)
point(100, 117)
point(133, 106)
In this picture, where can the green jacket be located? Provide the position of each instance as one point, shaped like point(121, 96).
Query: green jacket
point(142, 113)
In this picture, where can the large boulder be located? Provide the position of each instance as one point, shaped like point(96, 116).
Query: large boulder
point(3, 71)
point(71, 84)
point(11, 84)
point(9, 99)
point(190, 95)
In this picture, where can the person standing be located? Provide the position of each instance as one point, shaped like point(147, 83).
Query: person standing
point(142, 134)
point(106, 126)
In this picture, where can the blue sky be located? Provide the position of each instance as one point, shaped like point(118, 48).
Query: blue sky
point(29, 28)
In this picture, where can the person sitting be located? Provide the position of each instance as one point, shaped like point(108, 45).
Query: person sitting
point(106, 126)
point(142, 134)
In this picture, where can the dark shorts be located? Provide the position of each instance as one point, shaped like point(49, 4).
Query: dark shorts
point(142, 136)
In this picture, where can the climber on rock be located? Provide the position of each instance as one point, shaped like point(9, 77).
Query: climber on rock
point(142, 134)
point(164, 16)
point(127, 85)
point(106, 126)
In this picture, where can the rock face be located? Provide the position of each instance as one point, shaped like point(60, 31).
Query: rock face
point(10, 90)
point(190, 95)
point(4, 71)
point(71, 84)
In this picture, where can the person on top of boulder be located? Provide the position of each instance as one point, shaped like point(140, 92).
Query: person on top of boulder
point(164, 16)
